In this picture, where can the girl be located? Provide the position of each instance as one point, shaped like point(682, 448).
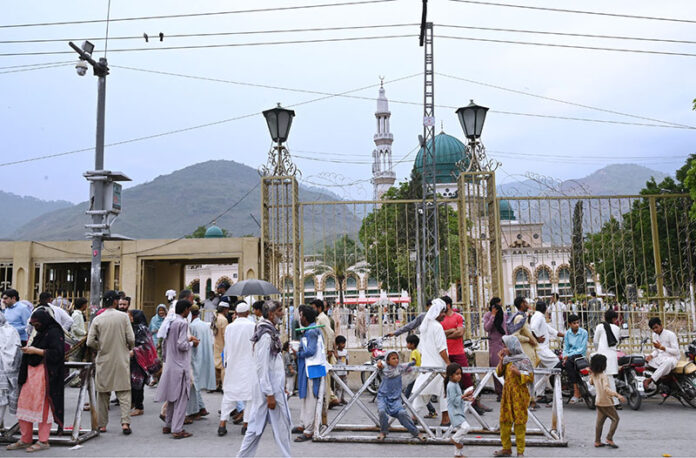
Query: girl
point(389, 396)
point(519, 372)
point(603, 401)
point(456, 406)
point(494, 324)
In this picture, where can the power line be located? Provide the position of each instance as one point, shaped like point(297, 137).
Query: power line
point(530, 94)
point(34, 68)
point(403, 102)
point(189, 15)
point(106, 37)
point(211, 34)
point(220, 45)
point(567, 34)
point(557, 45)
point(38, 64)
point(559, 10)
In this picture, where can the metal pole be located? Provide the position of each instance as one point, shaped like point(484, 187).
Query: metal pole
point(98, 203)
point(656, 255)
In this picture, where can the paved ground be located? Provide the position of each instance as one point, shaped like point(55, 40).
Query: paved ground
point(653, 431)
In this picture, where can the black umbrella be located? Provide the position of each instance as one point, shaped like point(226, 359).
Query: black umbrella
point(252, 288)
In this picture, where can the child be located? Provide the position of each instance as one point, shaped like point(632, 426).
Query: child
point(519, 373)
point(412, 342)
point(455, 406)
point(603, 401)
point(290, 369)
point(389, 396)
point(341, 360)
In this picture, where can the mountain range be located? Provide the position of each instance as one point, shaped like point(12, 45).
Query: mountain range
point(175, 204)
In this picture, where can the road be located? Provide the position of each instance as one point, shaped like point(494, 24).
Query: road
point(653, 431)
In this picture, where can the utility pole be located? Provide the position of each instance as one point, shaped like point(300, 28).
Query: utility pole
point(429, 245)
point(105, 191)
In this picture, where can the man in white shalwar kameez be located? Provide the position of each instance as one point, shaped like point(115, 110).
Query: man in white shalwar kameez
point(433, 347)
point(666, 355)
point(543, 332)
point(269, 403)
point(240, 376)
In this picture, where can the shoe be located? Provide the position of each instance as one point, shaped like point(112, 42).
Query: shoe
point(18, 445)
point(574, 400)
point(478, 409)
point(188, 420)
point(136, 412)
point(303, 438)
point(543, 400)
point(183, 434)
point(126, 429)
point(482, 406)
point(297, 430)
point(612, 445)
point(163, 418)
point(222, 430)
point(166, 430)
point(333, 404)
point(431, 415)
point(203, 413)
point(239, 418)
point(618, 407)
point(502, 452)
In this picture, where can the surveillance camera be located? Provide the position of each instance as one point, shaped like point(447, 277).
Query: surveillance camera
point(81, 67)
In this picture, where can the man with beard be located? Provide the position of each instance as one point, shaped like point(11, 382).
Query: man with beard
point(269, 403)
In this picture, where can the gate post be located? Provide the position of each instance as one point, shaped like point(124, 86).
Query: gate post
point(657, 257)
point(464, 251)
point(495, 237)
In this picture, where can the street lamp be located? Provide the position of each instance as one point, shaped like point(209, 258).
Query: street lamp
point(279, 120)
point(472, 117)
point(104, 191)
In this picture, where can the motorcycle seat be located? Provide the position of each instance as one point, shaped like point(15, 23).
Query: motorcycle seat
point(685, 367)
point(623, 360)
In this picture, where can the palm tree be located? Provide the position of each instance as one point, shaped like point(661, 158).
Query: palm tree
point(344, 254)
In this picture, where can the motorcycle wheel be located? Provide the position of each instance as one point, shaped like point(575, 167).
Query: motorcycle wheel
point(690, 379)
point(586, 395)
point(371, 387)
point(634, 399)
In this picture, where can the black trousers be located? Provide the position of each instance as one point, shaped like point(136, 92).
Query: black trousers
point(137, 398)
point(570, 368)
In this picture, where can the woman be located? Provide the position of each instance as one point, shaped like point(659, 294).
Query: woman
point(361, 324)
point(139, 374)
point(41, 381)
point(156, 322)
point(519, 373)
point(494, 324)
point(10, 359)
point(606, 338)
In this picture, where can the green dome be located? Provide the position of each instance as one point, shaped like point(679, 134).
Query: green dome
point(506, 212)
point(213, 232)
point(448, 151)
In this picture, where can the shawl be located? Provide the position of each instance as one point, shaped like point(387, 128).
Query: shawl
point(10, 355)
point(266, 327)
point(157, 320)
point(430, 318)
point(611, 338)
point(517, 356)
point(511, 326)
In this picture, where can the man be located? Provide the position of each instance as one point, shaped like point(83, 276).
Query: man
point(61, 301)
point(433, 347)
point(594, 311)
point(413, 325)
point(240, 379)
point(175, 384)
point(666, 355)
point(111, 335)
point(257, 310)
point(310, 345)
point(269, 403)
point(202, 363)
point(60, 315)
point(557, 311)
point(218, 326)
point(209, 307)
point(543, 332)
point(574, 346)
point(453, 324)
point(330, 342)
point(16, 313)
point(517, 326)
point(124, 305)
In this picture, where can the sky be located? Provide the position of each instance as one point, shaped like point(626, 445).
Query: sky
point(52, 110)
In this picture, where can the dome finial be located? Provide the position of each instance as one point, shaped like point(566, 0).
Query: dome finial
point(381, 81)
point(442, 127)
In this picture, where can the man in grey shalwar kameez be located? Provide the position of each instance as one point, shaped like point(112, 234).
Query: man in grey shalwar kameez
point(175, 384)
point(202, 363)
point(269, 403)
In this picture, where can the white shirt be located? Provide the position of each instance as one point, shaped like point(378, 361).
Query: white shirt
point(556, 312)
point(541, 328)
point(603, 348)
point(669, 340)
point(240, 376)
point(62, 317)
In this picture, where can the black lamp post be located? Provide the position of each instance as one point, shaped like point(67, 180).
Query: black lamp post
point(279, 120)
point(472, 117)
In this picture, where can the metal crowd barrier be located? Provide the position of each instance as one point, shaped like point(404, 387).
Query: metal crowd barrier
point(485, 434)
point(76, 434)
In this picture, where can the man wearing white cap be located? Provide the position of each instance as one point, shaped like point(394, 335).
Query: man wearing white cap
point(240, 371)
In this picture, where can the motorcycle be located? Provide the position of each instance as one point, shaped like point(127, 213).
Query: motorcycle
point(377, 353)
point(628, 381)
point(587, 391)
point(680, 383)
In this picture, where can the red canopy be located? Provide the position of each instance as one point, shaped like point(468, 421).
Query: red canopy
point(372, 300)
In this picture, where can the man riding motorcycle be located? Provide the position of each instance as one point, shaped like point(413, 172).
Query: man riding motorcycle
point(666, 355)
point(574, 346)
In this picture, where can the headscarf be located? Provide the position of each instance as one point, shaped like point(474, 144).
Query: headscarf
point(611, 338)
point(498, 320)
point(10, 355)
point(430, 318)
point(513, 327)
point(517, 356)
point(266, 327)
point(157, 320)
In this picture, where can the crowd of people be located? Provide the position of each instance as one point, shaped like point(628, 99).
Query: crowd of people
point(184, 356)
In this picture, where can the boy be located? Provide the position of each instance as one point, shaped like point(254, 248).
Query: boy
point(290, 369)
point(389, 396)
point(341, 360)
point(412, 342)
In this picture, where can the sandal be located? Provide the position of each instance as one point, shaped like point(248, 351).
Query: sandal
point(303, 438)
point(102, 429)
point(502, 452)
point(183, 434)
point(126, 429)
point(381, 436)
point(600, 444)
point(422, 437)
point(18, 445)
point(431, 415)
point(38, 446)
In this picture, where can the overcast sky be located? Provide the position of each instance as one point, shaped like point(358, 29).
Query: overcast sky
point(52, 110)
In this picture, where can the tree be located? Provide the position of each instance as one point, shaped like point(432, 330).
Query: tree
point(577, 261)
point(338, 258)
point(199, 233)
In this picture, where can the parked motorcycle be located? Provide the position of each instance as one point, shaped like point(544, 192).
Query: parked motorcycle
point(587, 391)
point(680, 383)
point(377, 353)
point(629, 379)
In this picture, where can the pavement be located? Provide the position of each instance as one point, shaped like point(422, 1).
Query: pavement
point(654, 431)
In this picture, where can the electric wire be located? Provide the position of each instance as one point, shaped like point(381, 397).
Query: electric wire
point(106, 37)
point(190, 15)
point(38, 64)
point(560, 10)
point(554, 99)
point(558, 45)
point(19, 70)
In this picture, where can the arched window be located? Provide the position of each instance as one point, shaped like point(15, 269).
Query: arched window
point(309, 283)
point(590, 281)
point(522, 288)
point(351, 283)
point(544, 282)
point(208, 286)
point(330, 283)
point(287, 284)
point(372, 284)
point(564, 289)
